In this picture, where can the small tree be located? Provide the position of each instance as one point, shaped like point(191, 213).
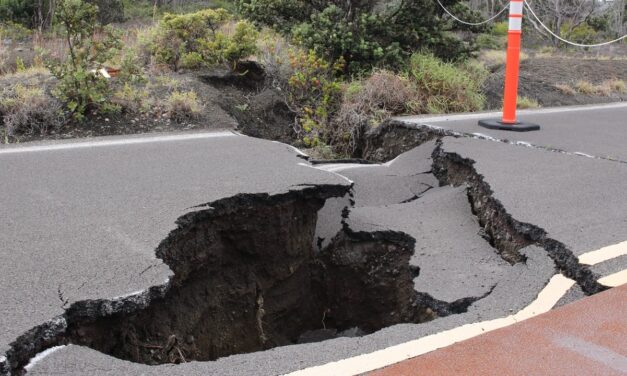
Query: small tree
point(90, 46)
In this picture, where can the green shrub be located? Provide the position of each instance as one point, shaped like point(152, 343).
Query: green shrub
point(364, 34)
point(500, 28)
point(131, 67)
point(20, 11)
point(181, 106)
point(191, 60)
point(89, 48)
point(227, 49)
point(314, 94)
point(582, 33)
point(489, 41)
point(14, 31)
point(445, 87)
point(201, 38)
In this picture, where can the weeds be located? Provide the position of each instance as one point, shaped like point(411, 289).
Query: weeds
point(526, 103)
point(182, 106)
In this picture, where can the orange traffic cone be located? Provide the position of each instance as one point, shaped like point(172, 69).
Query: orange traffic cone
point(509, 121)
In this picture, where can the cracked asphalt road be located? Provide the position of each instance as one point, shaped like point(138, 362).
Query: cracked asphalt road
point(83, 223)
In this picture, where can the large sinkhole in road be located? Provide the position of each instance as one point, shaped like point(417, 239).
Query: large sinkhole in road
point(247, 278)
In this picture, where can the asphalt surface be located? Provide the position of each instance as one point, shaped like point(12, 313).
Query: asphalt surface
point(82, 222)
point(593, 130)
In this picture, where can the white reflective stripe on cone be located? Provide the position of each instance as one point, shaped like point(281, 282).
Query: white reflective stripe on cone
point(515, 23)
point(516, 7)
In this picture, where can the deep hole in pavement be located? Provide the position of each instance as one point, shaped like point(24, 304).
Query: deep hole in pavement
point(247, 278)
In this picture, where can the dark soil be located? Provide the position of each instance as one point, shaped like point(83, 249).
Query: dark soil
point(538, 77)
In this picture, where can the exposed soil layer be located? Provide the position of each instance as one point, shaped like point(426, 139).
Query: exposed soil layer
point(393, 138)
point(539, 77)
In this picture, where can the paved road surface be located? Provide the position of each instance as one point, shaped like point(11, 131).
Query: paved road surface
point(82, 220)
point(594, 130)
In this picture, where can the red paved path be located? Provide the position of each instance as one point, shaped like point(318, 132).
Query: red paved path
point(588, 337)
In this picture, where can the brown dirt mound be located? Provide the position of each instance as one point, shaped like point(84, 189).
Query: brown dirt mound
point(539, 77)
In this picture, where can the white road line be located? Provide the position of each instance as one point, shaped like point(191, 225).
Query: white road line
point(332, 172)
point(548, 297)
point(125, 141)
point(39, 357)
point(476, 116)
point(614, 280)
point(604, 254)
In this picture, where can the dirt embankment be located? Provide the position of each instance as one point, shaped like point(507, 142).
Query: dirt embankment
point(541, 78)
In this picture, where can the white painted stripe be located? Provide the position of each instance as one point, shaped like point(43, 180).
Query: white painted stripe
point(332, 172)
point(515, 24)
point(604, 254)
point(547, 298)
point(601, 354)
point(515, 7)
point(39, 357)
point(614, 280)
point(115, 142)
point(421, 119)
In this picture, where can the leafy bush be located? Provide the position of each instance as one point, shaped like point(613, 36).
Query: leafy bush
point(181, 106)
point(364, 34)
point(313, 94)
point(489, 41)
point(14, 31)
point(17, 10)
point(201, 38)
point(500, 28)
point(192, 60)
point(109, 11)
point(89, 48)
point(28, 110)
point(229, 49)
point(445, 87)
point(582, 33)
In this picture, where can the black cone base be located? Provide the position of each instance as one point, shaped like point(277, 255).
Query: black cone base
point(515, 127)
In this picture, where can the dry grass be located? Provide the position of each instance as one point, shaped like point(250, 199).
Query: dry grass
point(28, 110)
point(566, 89)
point(369, 102)
point(181, 106)
point(527, 103)
point(497, 57)
point(606, 88)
